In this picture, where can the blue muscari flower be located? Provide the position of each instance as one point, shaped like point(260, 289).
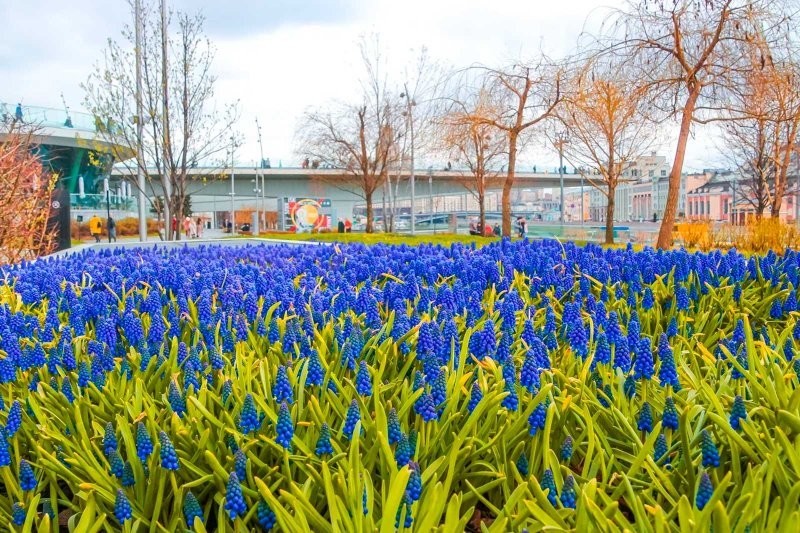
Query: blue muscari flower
point(315, 373)
point(427, 408)
point(14, 420)
point(414, 486)
point(227, 390)
point(266, 516)
point(109, 439)
point(84, 378)
point(660, 449)
point(529, 374)
point(363, 380)
point(402, 453)
point(667, 372)
point(27, 478)
point(629, 387)
point(324, 446)
point(409, 518)
point(605, 401)
point(249, 419)
point(475, 396)
point(709, 449)
point(176, 401)
point(537, 419)
point(191, 509)
point(353, 417)
point(669, 419)
point(776, 310)
point(788, 349)
point(522, 465)
point(647, 300)
point(116, 466)
point(738, 333)
point(34, 385)
point(549, 483)
point(644, 421)
point(230, 442)
point(234, 499)
point(284, 428)
point(602, 351)
point(169, 459)
point(144, 445)
point(122, 507)
point(439, 388)
point(18, 514)
point(672, 328)
point(738, 413)
point(5, 453)
point(566, 449)
point(644, 366)
point(737, 292)
point(282, 391)
point(622, 355)
point(240, 464)
point(215, 358)
point(364, 507)
point(393, 423)
point(704, 491)
point(568, 495)
point(128, 479)
point(682, 298)
point(8, 372)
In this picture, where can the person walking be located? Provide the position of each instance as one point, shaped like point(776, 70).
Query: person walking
point(348, 226)
point(95, 227)
point(199, 228)
point(340, 226)
point(187, 227)
point(112, 230)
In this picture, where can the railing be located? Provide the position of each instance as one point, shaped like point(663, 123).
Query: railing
point(49, 117)
point(98, 201)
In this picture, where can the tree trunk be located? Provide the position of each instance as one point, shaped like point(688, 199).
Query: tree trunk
point(482, 211)
point(509, 182)
point(665, 233)
point(610, 216)
point(368, 200)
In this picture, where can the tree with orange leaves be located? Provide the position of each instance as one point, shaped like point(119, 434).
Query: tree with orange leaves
point(602, 112)
point(25, 202)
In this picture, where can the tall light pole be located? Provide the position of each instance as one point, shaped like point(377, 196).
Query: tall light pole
point(430, 195)
point(263, 176)
point(108, 206)
point(233, 190)
point(560, 140)
point(137, 17)
point(410, 124)
point(166, 171)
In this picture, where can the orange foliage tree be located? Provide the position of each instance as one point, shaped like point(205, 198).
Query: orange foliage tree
point(25, 202)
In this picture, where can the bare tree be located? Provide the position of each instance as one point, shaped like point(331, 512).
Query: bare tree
point(25, 202)
point(360, 138)
point(686, 50)
point(473, 143)
point(183, 128)
point(602, 112)
point(762, 118)
point(528, 94)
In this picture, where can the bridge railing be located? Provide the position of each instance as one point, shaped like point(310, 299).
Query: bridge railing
point(94, 202)
point(49, 117)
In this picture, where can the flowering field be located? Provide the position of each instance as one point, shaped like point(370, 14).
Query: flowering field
point(522, 385)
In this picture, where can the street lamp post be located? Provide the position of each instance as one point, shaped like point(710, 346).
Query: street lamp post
point(430, 195)
point(140, 123)
point(410, 124)
point(233, 190)
point(560, 140)
point(263, 175)
point(108, 207)
point(582, 217)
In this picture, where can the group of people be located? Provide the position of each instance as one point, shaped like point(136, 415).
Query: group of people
point(96, 228)
point(475, 228)
point(344, 226)
point(191, 228)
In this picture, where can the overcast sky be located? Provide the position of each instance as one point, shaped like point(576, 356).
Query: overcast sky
point(279, 57)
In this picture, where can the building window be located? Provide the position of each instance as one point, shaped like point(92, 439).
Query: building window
point(725, 206)
point(651, 173)
point(708, 207)
point(663, 173)
point(690, 208)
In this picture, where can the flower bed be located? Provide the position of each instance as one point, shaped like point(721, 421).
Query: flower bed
point(520, 385)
